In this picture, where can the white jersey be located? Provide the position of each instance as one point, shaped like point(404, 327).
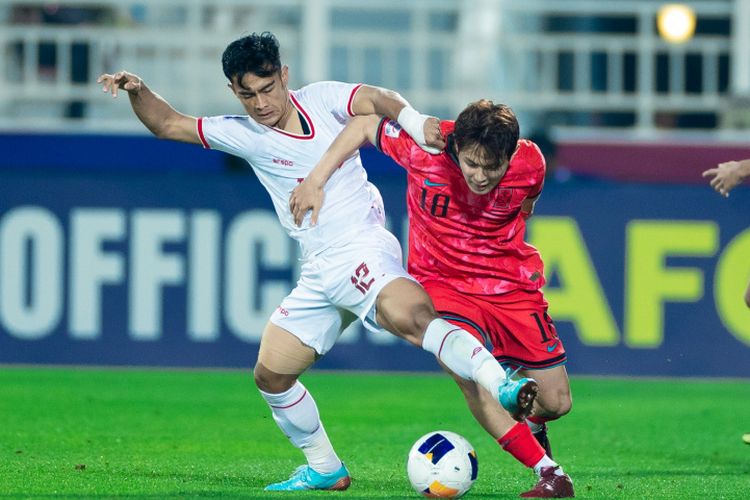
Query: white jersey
point(281, 160)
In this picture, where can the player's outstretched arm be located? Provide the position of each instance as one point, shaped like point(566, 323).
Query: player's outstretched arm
point(308, 195)
point(424, 129)
point(727, 175)
point(156, 114)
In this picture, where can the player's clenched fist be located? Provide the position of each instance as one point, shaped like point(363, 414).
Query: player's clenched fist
point(120, 80)
point(433, 136)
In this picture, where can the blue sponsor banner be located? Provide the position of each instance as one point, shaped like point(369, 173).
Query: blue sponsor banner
point(184, 269)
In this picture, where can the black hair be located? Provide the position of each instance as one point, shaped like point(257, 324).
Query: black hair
point(256, 53)
point(492, 126)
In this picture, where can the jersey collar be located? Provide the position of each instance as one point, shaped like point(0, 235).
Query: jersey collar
point(305, 121)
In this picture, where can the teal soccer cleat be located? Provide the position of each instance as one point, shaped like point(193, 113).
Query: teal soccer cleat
point(305, 478)
point(517, 396)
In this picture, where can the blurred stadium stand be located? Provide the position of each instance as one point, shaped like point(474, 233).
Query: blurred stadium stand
point(574, 64)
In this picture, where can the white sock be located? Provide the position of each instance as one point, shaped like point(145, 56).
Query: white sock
point(296, 414)
point(534, 426)
point(463, 354)
point(547, 462)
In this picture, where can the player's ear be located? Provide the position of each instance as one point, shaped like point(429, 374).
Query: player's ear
point(284, 75)
point(230, 85)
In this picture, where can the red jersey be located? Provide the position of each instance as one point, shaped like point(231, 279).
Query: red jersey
point(474, 242)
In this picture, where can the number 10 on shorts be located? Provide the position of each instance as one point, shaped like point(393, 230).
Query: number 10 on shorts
point(359, 280)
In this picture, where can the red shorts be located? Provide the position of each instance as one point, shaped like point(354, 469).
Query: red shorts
point(514, 327)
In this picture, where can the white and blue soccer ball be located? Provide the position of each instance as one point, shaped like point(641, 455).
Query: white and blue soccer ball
point(442, 464)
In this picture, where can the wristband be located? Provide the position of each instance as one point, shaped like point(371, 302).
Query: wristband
point(412, 121)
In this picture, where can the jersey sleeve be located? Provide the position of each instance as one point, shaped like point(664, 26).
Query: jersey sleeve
point(536, 167)
point(394, 142)
point(226, 133)
point(335, 97)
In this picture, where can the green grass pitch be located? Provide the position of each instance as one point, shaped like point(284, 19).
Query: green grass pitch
point(71, 433)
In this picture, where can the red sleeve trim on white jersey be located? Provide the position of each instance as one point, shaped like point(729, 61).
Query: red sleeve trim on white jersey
point(200, 133)
point(351, 100)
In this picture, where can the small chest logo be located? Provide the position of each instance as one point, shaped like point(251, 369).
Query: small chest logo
point(282, 161)
point(503, 198)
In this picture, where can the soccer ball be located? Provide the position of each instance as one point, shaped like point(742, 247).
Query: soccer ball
point(442, 464)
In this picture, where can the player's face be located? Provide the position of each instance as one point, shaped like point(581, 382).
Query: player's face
point(480, 173)
point(265, 98)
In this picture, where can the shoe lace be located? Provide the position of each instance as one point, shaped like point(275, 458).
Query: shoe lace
point(300, 472)
point(510, 373)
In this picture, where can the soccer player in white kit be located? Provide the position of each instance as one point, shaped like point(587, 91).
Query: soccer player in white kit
point(352, 266)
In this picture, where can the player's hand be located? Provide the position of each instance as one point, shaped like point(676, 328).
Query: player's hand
point(120, 80)
point(725, 177)
point(433, 137)
point(308, 195)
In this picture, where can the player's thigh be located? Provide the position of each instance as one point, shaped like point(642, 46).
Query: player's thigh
point(367, 275)
point(308, 314)
point(462, 311)
point(554, 389)
point(526, 332)
point(405, 309)
point(282, 358)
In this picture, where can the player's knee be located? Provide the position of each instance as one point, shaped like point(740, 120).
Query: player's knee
point(411, 320)
point(423, 313)
point(561, 405)
point(565, 404)
point(271, 382)
point(555, 405)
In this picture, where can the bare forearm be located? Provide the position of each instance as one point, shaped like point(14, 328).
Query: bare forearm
point(357, 131)
point(153, 111)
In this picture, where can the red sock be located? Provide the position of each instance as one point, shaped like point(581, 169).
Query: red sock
point(520, 442)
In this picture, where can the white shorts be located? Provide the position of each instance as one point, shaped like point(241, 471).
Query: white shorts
point(338, 285)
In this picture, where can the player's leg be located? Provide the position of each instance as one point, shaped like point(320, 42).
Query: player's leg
point(405, 309)
point(524, 336)
point(301, 330)
point(281, 359)
point(479, 318)
point(516, 438)
point(553, 401)
point(367, 277)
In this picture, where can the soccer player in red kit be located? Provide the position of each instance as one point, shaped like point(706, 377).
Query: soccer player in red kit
point(467, 218)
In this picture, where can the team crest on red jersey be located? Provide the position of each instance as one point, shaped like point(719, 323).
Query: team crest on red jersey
point(503, 197)
point(392, 129)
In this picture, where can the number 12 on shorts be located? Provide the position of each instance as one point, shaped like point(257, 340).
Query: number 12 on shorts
point(360, 281)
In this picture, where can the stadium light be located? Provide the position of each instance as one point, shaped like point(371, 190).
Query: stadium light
point(676, 22)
